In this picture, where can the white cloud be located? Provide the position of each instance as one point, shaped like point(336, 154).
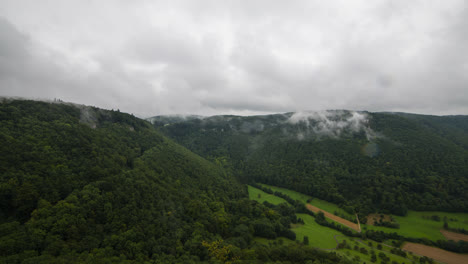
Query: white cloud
point(332, 123)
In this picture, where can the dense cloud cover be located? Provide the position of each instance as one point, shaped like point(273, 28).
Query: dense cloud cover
point(238, 57)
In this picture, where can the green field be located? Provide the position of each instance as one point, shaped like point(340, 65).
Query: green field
point(414, 225)
point(293, 194)
point(324, 205)
point(330, 207)
point(261, 196)
point(319, 236)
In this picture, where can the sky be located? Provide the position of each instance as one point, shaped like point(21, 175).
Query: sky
point(238, 57)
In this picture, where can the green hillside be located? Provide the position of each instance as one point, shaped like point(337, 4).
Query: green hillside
point(84, 185)
point(364, 162)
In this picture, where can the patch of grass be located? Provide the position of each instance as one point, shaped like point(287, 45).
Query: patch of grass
point(330, 207)
point(261, 196)
point(324, 205)
point(417, 224)
point(293, 194)
point(319, 236)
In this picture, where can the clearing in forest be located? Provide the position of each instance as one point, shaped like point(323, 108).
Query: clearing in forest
point(372, 218)
point(454, 236)
point(334, 218)
point(261, 196)
point(319, 236)
point(421, 224)
point(436, 253)
point(324, 205)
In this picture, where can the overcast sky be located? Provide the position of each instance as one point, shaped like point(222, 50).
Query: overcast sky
point(238, 57)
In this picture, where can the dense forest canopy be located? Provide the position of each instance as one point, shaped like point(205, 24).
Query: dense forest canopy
point(80, 184)
point(372, 162)
point(84, 185)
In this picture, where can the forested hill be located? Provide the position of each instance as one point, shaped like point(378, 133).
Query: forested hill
point(384, 162)
point(84, 185)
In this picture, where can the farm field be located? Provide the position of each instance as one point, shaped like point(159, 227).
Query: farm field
point(327, 238)
point(454, 236)
point(319, 236)
point(414, 224)
point(324, 205)
point(418, 225)
point(436, 253)
point(254, 195)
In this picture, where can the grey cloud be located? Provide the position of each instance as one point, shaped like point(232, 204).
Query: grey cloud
point(156, 57)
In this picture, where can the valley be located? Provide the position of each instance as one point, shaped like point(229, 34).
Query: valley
point(326, 238)
point(79, 184)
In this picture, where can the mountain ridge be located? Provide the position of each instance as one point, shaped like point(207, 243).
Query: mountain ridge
point(345, 151)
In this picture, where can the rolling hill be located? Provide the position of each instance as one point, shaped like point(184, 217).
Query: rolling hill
point(366, 162)
point(80, 184)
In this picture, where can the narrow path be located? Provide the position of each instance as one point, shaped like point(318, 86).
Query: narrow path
point(334, 217)
point(358, 223)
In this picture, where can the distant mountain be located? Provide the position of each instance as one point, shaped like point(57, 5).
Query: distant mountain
point(170, 119)
point(386, 162)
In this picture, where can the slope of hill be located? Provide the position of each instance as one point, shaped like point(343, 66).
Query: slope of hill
point(84, 185)
point(369, 162)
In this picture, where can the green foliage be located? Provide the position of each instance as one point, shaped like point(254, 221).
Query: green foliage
point(319, 236)
point(261, 196)
point(417, 162)
point(84, 185)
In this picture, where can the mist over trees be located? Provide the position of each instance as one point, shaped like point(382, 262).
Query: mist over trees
point(368, 162)
point(85, 185)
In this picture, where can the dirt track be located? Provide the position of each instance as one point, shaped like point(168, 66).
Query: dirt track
point(454, 236)
point(334, 218)
point(436, 253)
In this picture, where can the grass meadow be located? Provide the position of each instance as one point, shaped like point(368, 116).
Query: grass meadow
point(415, 224)
point(324, 205)
point(261, 196)
point(418, 225)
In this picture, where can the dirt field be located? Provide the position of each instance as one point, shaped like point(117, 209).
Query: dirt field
point(334, 217)
point(436, 253)
point(454, 236)
point(375, 218)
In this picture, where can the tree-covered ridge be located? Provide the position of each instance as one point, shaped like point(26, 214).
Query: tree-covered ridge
point(84, 185)
point(48, 151)
point(386, 162)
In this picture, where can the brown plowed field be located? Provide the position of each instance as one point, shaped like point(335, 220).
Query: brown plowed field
point(454, 236)
point(334, 217)
point(436, 253)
